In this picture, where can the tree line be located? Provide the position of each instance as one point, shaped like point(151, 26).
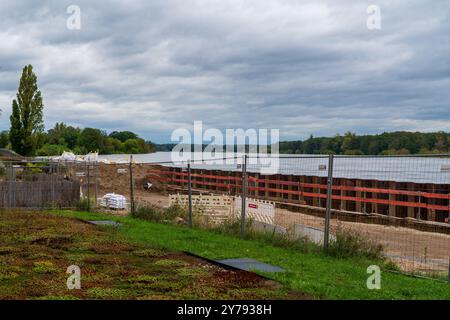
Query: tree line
point(28, 138)
point(63, 137)
point(388, 143)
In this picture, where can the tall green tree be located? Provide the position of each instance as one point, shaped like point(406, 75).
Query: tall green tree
point(4, 139)
point(27, 115)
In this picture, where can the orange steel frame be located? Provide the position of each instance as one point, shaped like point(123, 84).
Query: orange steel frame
point(156, 174)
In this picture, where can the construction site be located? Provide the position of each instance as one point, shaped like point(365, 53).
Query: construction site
point(405, 208)
point(408, 218)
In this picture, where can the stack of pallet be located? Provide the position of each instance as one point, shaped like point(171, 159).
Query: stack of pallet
point(216, 207)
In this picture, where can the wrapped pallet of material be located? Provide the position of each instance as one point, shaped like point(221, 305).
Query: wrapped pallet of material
point(104, 201)
point(117, 202)
point(114, 201)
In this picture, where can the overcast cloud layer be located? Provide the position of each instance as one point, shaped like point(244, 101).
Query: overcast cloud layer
point(304, 67)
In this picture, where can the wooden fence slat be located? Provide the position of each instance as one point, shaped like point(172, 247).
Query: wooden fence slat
point(39, 193)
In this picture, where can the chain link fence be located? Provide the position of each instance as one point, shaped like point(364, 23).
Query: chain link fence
point(400, 203)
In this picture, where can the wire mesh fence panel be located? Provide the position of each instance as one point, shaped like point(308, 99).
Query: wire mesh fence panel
point(401, 203)
point(164, 184)
point(295, 193)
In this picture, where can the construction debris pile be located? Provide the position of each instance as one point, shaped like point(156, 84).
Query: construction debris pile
point(71, 157)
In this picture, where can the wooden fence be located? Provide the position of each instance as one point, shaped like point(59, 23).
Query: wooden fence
point(55, 192)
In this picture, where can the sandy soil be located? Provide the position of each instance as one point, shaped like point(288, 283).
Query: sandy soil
point(151, 198)
point(411, 249)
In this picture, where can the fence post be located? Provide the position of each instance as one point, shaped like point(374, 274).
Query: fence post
point(52, 173)
point(190, 193)
point(448, 270)
point(448, 203)
point(244, 194)
point(131, 186)
point(88, 187)
point(11, 185)
point(420, 209)
point(326, 237)
point(96, 182)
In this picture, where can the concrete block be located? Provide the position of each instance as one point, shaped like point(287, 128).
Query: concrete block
point(269, 228)
point(313, 234)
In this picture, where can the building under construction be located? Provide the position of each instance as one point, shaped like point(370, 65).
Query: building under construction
point(426, 196)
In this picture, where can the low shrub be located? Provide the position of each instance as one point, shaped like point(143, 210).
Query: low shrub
point(231, 226)
point(44, 267)
point(83, 204)
point(351, 244)
point(164, 215)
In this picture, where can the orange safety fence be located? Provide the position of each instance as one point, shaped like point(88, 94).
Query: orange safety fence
point(309, 185)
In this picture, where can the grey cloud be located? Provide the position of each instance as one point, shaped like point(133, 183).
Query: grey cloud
point(303, 67)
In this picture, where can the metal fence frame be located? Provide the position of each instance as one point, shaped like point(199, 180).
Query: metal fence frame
point(244, 184)
point(330, 177)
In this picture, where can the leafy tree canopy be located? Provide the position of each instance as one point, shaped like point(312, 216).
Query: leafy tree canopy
point(27, 115)
point(393, 143)
point(63, 137)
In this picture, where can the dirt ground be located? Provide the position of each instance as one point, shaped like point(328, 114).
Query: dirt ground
point(143, 197)
point(411, 249)
point(36, 250)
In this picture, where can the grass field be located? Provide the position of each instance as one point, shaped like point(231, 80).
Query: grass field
point(36, 249)
point(313, 274)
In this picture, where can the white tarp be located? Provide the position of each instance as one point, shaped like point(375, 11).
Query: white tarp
point(91, 157)
point(67, 156)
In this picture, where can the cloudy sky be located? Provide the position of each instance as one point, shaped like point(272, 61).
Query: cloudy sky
point(302, 66)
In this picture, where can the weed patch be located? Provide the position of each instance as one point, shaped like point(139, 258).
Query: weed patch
point(44, 267)
point(171, 263)
point(107, 293)
point(350, 244)
point(149, 253)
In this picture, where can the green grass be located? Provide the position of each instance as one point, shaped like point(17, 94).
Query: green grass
point(312, 273)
